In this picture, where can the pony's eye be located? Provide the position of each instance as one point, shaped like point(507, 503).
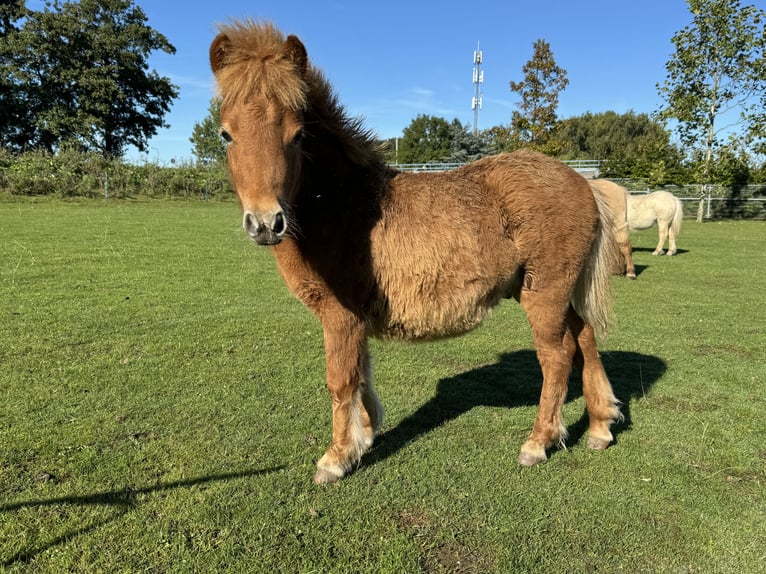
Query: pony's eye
point(225, 136)
point(298, 137)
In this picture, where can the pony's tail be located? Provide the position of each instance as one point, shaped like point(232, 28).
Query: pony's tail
point(678, 217)
point(592, 297)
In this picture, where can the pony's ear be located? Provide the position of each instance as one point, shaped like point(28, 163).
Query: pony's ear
point(218, 50)
point(296, 53)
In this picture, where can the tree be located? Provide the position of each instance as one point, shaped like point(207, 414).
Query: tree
point(717, 69)
point(426, 139)
point(634, 145)
point(11, 106)
point(466, 146)
point(10, 12)
point(206, 141)
point(539, 92)
point(81, 70)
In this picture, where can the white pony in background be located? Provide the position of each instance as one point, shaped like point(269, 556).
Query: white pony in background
point(662, 207)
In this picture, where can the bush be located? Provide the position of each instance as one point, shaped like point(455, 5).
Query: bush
point(70, 173)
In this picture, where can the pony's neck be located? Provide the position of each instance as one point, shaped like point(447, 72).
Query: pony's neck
point(337, 146)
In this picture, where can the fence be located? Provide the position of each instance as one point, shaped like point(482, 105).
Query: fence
point(717, 201)
point(709, 201)
point(78, 175)
point(590, 168)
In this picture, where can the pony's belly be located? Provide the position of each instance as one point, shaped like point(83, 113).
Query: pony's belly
point(637, 222)
point(418, 316)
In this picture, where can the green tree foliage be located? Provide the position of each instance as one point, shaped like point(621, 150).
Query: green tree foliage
point(80, 68)
point(12, 106)
point(539, 92)
point(433, 139)
point(466, 146)
point(426, 139)
point(732, 166)
point(718, 69)
point(206, 141)
point(10, 12)
point(503, 138)
point(634, 145)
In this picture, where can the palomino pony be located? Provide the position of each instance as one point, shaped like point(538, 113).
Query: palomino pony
point(617, 197)
point(660, 206)
point(374, 252)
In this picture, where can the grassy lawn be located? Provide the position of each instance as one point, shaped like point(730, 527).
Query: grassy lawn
point(162, 406)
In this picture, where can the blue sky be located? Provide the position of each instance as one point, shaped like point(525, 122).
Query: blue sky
point(390, 61)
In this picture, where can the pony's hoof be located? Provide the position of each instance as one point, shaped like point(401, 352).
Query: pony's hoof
point(658, 252)
point(595, 443)
point(671, 253)
point(631, 276)
point(324, 476)
point(531, 459)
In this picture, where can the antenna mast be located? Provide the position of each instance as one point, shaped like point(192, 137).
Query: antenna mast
point(478, 79)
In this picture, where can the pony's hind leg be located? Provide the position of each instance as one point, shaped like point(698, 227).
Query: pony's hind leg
point(627, 253)
point(555, 352)
point(622, 237)
point(356, 410)
point(600, 402)
point(672, 250)
point(663, 230)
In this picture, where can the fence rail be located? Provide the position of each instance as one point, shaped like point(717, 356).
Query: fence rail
point(748, 202)
point(589, 167)
point(85, 176)
point(446, 166)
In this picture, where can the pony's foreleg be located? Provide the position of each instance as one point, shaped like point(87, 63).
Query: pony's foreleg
point(555, 351)
point(663, 229)
point(600, 402)
point(356, 410)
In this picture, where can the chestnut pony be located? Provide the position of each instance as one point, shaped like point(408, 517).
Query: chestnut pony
point(374, 252)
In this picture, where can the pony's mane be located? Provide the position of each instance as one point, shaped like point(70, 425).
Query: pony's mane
point(256, 65)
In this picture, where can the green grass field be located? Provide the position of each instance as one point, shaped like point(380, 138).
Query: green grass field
point(162, 406)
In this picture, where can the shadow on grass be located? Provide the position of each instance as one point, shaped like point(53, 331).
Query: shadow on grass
point(640, 269)
point(124, 500)
point(651, 249)
point(515, 381)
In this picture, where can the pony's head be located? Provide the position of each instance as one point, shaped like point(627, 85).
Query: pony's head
point(261, 77)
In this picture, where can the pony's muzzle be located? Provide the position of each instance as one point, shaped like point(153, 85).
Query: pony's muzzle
point(265, 229)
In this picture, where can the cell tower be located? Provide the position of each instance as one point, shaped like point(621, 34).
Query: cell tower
point(478, 79)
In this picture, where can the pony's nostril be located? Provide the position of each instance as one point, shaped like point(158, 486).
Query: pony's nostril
point(251, 224)
point(266, 230)
point(279, 224)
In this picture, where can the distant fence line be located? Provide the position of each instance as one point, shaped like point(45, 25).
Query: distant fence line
point(588, 167)
point(713, 201)
point(48, 175)
point(718, 202)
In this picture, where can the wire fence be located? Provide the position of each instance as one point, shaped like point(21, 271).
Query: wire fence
point(84, 176)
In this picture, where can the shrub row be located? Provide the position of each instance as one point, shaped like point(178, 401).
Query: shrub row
point(75, 174)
